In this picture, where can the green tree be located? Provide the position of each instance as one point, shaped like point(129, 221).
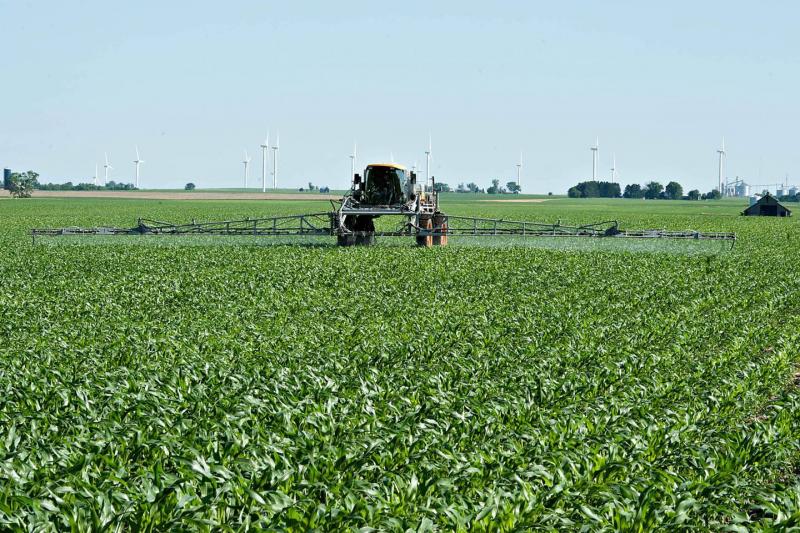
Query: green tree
point(610, 190)
point(22, 184)
point(653, 190)
point(473, 187)
point(634, 190)
point(513, 187)
point(596, 189)
point(495, 188)
point(189, 187)
point(674, 190)
point(591, 189)
point(694, 194)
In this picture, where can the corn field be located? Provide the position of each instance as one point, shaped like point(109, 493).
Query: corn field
point(467, 388)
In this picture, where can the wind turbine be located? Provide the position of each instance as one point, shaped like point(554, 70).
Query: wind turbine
point(137, 162)
point(107, 167)
point(353, 162)
point(613, 168)
point(519, 172)
point(264, 150)
point(594, 149)
point(246, 162)
point(722, 155)
point(275, 161)
point(428, 153)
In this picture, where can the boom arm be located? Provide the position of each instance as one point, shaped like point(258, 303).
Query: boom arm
point(327, 224)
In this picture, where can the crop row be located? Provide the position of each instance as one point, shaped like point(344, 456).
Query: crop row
point(159, 387)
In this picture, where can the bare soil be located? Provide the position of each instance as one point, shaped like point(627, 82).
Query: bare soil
point(519, 201)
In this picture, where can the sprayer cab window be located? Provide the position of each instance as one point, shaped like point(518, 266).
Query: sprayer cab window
point(384, 185)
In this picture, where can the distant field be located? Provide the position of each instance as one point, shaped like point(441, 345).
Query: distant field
point(241, 194)
point(184, 195)
point(473, 387)
point(248, 190)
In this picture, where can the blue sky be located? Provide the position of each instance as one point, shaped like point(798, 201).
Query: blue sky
point(194, 84)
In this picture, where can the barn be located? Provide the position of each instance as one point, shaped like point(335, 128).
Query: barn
point(767, 206)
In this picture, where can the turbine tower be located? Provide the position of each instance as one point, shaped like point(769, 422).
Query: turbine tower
point(275, 161)
point(519, 172)
point(722, 154)
point(264, 150)
point(353, 163)
point(137, 162)
point(107, 167)
point(613, 168)
point(428, 160)
point(246, 162)
point(594, 149)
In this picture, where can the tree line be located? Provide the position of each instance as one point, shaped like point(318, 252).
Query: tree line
point(789, 198)
point(651, 190)
point(22, 185)
point(69, 186)
point(511, 187)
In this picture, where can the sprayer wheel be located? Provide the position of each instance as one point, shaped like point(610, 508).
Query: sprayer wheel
point(427, 240)
point(440, 226)
point(346, 240)
point(365, 239)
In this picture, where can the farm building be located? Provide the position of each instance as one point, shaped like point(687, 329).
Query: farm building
point(767, 206)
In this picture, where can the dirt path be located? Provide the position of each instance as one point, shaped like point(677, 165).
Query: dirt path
point(519, 201)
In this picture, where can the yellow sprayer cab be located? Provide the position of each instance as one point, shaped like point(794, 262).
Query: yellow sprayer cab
point(383, 184)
